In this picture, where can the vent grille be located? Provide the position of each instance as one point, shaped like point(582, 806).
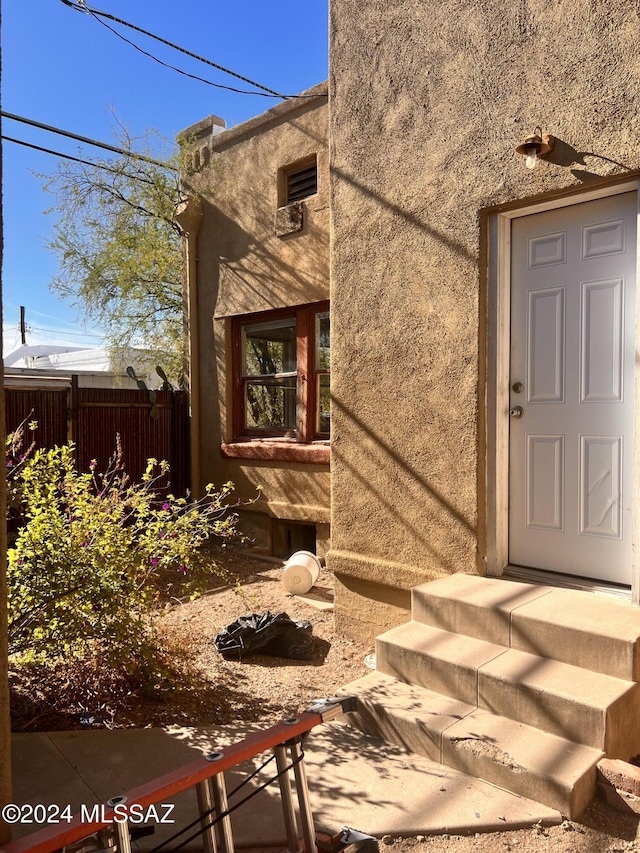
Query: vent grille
point(302, 183)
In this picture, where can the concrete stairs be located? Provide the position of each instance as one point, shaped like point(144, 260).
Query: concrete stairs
point(524, 686)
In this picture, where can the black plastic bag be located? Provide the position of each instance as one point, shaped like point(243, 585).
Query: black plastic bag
point(266, 634)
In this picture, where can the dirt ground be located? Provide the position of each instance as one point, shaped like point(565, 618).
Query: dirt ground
point(214, 691)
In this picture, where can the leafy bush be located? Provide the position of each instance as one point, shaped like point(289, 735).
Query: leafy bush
point(16, 456)
point(95, 553)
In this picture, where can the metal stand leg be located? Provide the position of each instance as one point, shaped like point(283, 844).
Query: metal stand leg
point(306, 817)
point(288, 811)
point(221, 804)
point(123, 840)
point(205, 805)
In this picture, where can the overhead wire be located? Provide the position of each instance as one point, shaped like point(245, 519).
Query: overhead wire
point(87, 140)
point(63, 332)
point(180, 70)
point(97, 14)
point(15, 339)
point(75, 159)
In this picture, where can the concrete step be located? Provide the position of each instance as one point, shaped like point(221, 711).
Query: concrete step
point(589, 630)
point(581, 705)
point(403, 714)
point(519, 758)
point(584, 706)
point(541, 766)
point(438, 660)
point(472, 605)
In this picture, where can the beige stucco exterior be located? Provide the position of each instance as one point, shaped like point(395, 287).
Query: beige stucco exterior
point(240, 266)
point(427, 105)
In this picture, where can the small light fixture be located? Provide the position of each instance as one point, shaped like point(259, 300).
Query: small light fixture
point(535, 146)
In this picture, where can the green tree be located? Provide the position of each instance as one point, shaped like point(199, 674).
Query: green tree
point(118, 246)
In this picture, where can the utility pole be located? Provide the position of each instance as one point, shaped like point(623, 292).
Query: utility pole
point(23, 325)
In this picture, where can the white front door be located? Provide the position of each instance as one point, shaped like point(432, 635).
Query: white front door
point(572, 387)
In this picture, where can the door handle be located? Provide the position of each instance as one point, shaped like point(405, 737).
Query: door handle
point(516, 412)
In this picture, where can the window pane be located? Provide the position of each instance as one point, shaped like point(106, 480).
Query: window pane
point(324, 404)
point(323, 341)
point(269, 348)
point(271, 404)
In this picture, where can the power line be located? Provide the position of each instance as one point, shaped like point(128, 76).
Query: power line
point(180, 70)
point(96, 13)
point(87, 140)
point(75, 159)
point(64, 333)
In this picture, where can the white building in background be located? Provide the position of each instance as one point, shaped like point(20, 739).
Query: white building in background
point(96, 367)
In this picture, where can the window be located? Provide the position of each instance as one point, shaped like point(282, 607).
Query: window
point(298, 181)
point(322, 367)
point(282, 362)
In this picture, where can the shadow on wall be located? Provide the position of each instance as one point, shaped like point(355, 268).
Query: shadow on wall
point(255, 270)
point(396, 209)
point(253, 276)
point(415, 221)
point(240, 273)
point(564, 154)
point(311, 490)
point(461, 528)
point(275, 271)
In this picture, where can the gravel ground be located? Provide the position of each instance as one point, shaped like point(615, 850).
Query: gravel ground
point(214, 691)
point(599, 831)
point(258, 688)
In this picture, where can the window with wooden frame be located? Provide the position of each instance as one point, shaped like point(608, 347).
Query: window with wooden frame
point(281, 369)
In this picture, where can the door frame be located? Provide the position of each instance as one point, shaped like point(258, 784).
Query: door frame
point(497, 224)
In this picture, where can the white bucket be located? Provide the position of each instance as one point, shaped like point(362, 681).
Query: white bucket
point(301, 572)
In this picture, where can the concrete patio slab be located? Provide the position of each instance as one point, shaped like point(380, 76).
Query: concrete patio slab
point(354, 780)
point(40, 770)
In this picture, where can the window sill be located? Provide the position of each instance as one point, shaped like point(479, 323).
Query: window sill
point(278, 450)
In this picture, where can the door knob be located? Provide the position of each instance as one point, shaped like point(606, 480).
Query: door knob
point(516, 412)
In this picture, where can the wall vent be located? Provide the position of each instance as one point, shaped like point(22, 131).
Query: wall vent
point(302, 182)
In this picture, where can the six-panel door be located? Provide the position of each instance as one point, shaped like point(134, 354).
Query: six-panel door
point(572, 376)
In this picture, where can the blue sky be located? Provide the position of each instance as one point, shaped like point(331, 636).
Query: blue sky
point(62, 68)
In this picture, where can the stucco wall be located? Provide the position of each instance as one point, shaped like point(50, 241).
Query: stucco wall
point(428, 102)
point(243, 268)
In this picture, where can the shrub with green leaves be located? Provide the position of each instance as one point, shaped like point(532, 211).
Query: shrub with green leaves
point(95, 553)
